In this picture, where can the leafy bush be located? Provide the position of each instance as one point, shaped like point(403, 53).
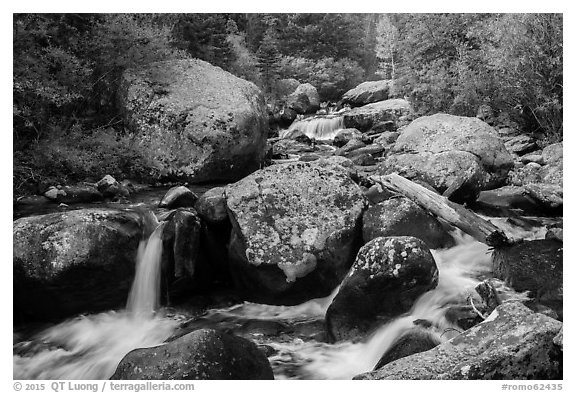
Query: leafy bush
point(332, 78)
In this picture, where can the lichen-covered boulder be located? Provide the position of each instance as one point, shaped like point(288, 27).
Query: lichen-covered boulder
point(196, 122)
point(345, 135)
point(513, 343)
point(455, 169)
point(73, 262)
point(202, 354)
point(398, 111)
point(387, 277)
point(441, 133)
point(368, 92)
point(535, 266)
point(549, 196)
point(402, 217)
point(296, 230)
point(179, 196)
point(553, 154)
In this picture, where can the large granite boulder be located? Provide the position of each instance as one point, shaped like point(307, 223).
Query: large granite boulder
point(203, 354)
point(513, 343)
point(387, 277)
point(368, 92)
point(402, 217)
point(73, 262)
point(196, 122)
point(296, 230)
point(479, 160)
point(397, 111)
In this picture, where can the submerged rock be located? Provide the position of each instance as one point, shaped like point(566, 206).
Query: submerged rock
point(196, 121)
point(202, 354)
point(178, 196)
point(296, 230)
point(72, 262)
point(368, 92)
point(388, 275)
point(402, 217)
point(415, 340)
point(513, 343)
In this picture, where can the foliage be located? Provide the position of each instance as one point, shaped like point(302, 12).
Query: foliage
point(331, 77)
point(456, 62)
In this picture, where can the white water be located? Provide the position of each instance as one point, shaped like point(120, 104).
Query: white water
point(319, 128)
point(144, 296)
point(90, 347)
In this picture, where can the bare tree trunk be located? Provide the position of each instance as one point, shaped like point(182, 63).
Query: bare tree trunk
point(440, 206)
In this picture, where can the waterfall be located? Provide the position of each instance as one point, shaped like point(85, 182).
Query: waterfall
point(320, 128)
point(144, 297)
point(90, 347)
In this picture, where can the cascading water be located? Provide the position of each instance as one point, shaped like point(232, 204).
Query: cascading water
point(319, 128)
point(90, 347)
point(144, 295)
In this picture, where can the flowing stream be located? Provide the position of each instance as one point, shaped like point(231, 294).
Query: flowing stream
point(90, 347)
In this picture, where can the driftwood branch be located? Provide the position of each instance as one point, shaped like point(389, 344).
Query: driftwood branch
point(457, 215)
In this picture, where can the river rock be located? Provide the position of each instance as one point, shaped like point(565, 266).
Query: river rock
point(203, 354)
point(376, 194)
point(305, 99)
point(534, 266)
point(211, 206)
point(553, 154)
point(368, 92)
point(345, 135)
point(521, 144)
point(442, 133)
point(402, 217)
point(532, 157)
point(181, 243)
point(178, 196)
point(286, 86)
point(296, 229)
point(73, 262)
point(364, 117)
point(82, 193)
point(514, 343)
point(413, 341)
point(504, 199)
point(525, 174)
point(197, 122)
point(550, 196)
point(286, 147)
point(388, 275)
point(441, 171)
point(109, 187)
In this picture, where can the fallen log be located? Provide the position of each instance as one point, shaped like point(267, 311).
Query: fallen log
point(457, 215)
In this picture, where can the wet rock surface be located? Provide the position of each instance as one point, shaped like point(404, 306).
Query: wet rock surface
point(388, 275)
point(67, 263)
point(513, 343)
point(202, 354)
